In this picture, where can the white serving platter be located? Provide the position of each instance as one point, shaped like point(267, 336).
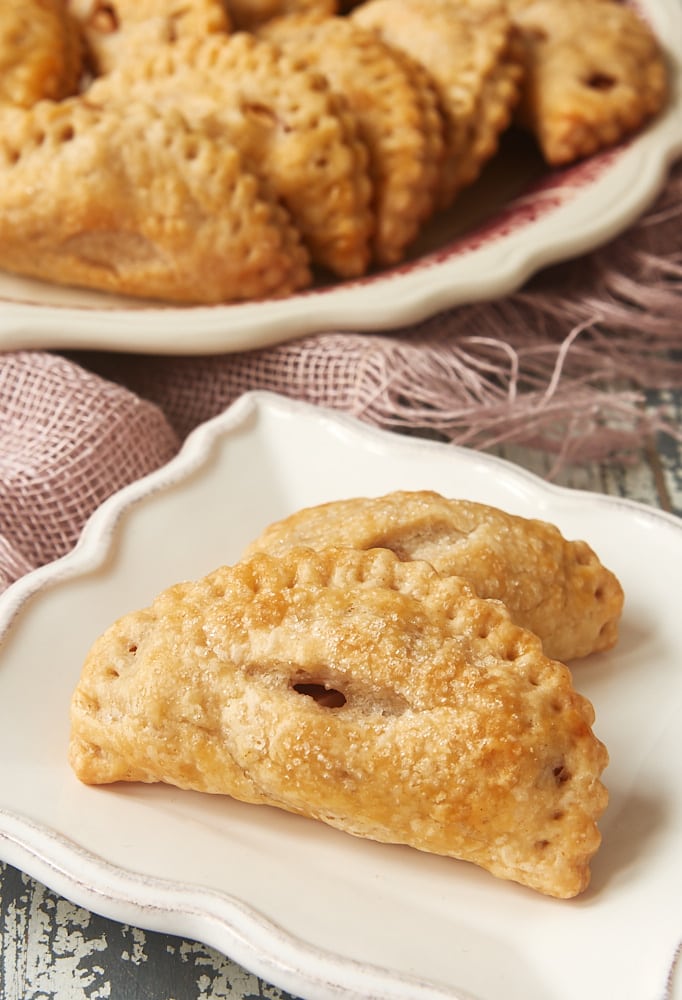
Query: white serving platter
point(316, 912)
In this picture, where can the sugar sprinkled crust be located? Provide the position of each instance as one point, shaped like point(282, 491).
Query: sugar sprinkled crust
point(138, 203)
point(555, 587)
point(593, 74)
point(288, 125)
point(359, 690)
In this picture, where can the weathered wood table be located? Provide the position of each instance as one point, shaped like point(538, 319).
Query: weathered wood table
point(50, 948)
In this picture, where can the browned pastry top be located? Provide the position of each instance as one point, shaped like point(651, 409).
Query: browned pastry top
point(366, 692)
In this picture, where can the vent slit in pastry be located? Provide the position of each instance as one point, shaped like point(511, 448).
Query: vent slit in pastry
point(327, 697)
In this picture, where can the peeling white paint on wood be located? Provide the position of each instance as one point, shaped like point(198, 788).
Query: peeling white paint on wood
point(48, 947)
point(51, 949)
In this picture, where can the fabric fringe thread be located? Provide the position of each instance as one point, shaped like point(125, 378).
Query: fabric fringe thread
point(564, 364)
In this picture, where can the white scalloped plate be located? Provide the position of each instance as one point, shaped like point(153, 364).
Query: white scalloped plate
point(319, 913)
point(514, 222)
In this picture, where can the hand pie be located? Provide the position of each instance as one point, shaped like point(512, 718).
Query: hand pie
point(554, 587)
point(470, 51)
point(138, 204)
point(356, 689)
point(593, 73)
point(289, 127)
point(401, 126)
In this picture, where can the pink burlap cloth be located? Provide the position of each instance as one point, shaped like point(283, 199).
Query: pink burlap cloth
point(563, 365)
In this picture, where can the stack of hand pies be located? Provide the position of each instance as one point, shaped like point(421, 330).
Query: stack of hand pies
point(205, 151)
point(390, 666)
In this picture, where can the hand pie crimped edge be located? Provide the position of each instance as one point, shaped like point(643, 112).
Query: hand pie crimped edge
point(469, 50)
point(554, 586)
point(402, 126)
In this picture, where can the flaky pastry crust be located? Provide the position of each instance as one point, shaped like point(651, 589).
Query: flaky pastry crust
point(555, 587)
point(401, 125)
point(288, 125)
point(359, 690)
point(139, 204)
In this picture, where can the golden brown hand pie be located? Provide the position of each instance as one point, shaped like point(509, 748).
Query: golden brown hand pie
point(40, 52)
point(289, 128)
point(400, 124)
point(138, 203)
point(594, 73)
point(470, 51)
point(554, 587)
point(116, 31)
point(359, 690)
